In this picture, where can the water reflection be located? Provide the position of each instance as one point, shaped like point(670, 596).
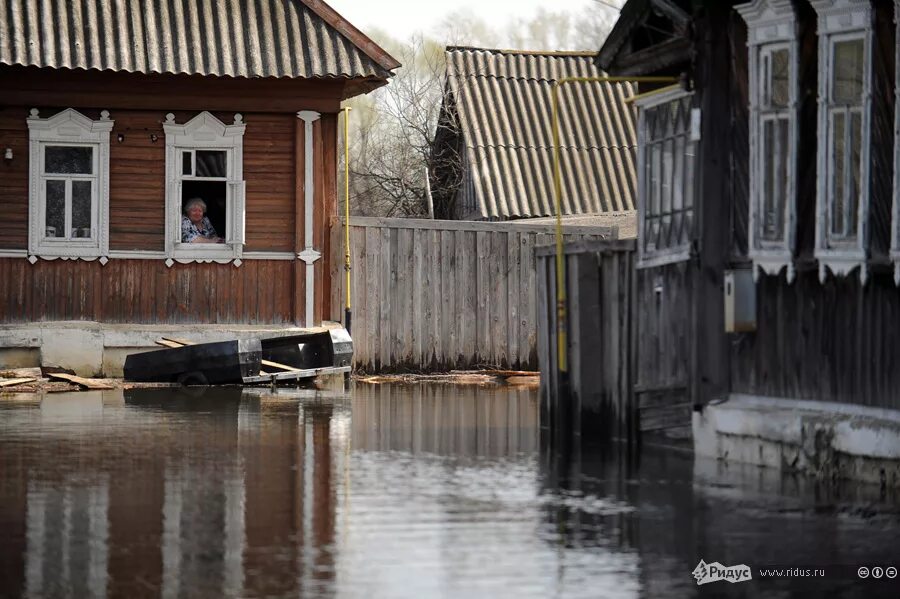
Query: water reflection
point(399, 491)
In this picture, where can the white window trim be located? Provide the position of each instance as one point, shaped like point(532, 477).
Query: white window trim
point(895, 221)
point(680, 253)
point(772, 25)
point(68, 127)
point(205, 132)
point(842, 20)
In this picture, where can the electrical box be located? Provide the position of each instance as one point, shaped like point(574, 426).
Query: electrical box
point(740, 301)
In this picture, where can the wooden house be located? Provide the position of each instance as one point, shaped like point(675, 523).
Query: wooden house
point(768, 181)
point(114, 114)
point(492, 157)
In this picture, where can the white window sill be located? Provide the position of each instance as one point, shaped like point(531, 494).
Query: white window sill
point(841, 263)
point(184, 253)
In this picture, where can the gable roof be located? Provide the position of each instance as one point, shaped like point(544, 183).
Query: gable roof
point(503, 99)
point(662, 49)
point(236, 38)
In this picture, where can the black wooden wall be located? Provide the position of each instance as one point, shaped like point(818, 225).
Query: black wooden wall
point(837, 341)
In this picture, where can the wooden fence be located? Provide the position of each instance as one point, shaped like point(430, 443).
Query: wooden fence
point(430, 295)
point(600, 302)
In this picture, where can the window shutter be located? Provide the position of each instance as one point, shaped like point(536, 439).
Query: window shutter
point(238, 229)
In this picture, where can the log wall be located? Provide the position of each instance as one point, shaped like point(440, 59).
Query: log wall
point(146, 292)
point(262, 290)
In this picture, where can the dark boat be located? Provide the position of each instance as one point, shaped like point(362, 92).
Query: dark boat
point(245, 361)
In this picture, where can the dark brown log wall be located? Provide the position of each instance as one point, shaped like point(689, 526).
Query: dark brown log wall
point(146, 292)
point(14, 180)
point(256, 292)
point(828, 342)
point(137, 180)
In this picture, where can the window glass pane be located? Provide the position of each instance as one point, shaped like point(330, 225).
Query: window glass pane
point(69, 160)
point(666, 194)
point(779, 85)
point(854, 174)
point(186, 160)
point(81, 209)
point(775, 156)
point(838, 203)
point(678, 166)
point(848, 72)
point(667, 175)
point(655, 182)
point(55, 225)
point(768, 175)
point(783, 155)
point(211, 163)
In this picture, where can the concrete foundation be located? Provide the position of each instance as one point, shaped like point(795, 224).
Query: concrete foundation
point(821, 439)
point(98, 349)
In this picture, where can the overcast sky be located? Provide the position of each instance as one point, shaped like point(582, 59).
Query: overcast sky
point(402, 18)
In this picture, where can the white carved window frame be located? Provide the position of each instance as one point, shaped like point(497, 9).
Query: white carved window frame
point(205, 132)
point(841, 21)
point(772, 26)
point(68, 128)
point(653, 256)
point(895, 222)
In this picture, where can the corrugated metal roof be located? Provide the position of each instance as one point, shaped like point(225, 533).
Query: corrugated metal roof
point(503, 99)
point(237, 38)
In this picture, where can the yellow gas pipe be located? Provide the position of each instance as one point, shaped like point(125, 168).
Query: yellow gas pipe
point(561, 316)
point(347, 311)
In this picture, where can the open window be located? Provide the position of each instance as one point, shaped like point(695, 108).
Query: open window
point(845, 74)
point(667, 151)
point(69, 190)
point(773, 67)
point(204, 161)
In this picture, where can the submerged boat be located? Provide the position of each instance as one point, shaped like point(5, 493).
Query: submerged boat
point(245, 361)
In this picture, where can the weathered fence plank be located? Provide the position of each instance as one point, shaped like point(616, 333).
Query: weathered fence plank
point(513, 261)
point(448, 325)
point(482, 295)
point(384, 299)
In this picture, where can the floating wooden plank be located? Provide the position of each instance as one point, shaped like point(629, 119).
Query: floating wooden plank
point(167, 343)
point(13, 382)
point(278, 365)
point(524, 381)
point(19, 373)
point(497, 372)
point(86, 383)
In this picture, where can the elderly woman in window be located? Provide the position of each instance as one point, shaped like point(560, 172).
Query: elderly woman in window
point(195, 226)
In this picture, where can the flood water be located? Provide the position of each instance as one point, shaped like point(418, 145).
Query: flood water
point(395, 491)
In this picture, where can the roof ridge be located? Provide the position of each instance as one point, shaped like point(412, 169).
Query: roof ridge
point(585, 53)
point(561, 147)
point(485, 75)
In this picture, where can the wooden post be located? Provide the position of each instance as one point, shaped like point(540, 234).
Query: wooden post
point(309, 255)
point(299, 284)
